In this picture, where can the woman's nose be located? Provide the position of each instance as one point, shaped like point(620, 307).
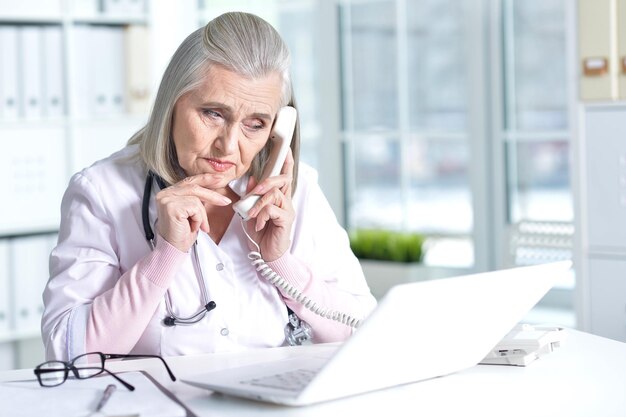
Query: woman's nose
point(227, 141)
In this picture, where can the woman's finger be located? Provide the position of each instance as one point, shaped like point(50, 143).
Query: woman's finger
point(277, 215)
point(273, 197)
point(282, 181)
point(180, 219)
point(288, 170)
point(196, 190)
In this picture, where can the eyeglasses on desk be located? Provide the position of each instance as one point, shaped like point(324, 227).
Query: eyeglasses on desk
point(88, 365)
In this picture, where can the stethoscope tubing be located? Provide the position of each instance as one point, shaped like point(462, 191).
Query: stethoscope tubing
point(172, 318)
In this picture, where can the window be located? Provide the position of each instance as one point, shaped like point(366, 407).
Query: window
point(406, 120)
point(536, 135)
point(411, 155)
point(297, 26)
point(454, 118)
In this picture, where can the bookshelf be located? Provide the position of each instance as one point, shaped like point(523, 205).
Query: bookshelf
point(76, 80)
point(44, 150)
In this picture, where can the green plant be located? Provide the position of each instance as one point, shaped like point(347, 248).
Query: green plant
point(387, 245)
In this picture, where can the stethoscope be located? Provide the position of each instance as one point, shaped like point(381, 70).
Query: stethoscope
point(296, 331)
point(172, 319)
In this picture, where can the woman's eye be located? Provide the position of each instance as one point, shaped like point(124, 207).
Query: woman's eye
point(211, 113)
point(254, 125)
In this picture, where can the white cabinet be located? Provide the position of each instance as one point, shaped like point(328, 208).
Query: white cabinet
point(608, 297)
point(96, 139)
point(29, 270)
point(23, 275)
point(600, 195)
point(5, 289)
point(33, 162)
point(605, 158)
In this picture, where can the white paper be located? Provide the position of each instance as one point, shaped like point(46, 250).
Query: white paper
point(77, 398)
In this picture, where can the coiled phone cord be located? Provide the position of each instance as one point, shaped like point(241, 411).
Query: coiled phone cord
point(268, 273)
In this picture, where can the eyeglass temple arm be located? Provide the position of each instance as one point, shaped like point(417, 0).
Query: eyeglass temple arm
point(126, 384)
point(122, 356)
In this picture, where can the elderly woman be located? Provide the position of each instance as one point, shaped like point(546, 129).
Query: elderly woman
point(151, 257)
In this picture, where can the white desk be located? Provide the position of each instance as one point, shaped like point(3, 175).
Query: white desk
point(585, 377)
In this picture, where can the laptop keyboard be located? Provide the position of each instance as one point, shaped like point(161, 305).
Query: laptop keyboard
point(294, 380)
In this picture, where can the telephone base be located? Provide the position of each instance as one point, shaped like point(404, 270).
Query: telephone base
point(524, 344)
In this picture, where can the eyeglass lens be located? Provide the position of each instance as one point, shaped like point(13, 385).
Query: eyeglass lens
point(52, 373)
point(88, 365)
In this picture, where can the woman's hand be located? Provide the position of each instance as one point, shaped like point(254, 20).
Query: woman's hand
point(272, 216)
point(181, 209)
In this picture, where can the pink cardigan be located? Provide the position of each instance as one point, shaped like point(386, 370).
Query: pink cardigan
point(147, 282)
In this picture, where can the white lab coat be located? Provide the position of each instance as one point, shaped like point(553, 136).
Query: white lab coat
point(101, 237)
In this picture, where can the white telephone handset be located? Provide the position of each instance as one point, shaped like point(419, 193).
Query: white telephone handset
point(281, 135)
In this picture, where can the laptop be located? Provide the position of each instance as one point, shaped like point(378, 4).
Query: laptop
point(418, 331)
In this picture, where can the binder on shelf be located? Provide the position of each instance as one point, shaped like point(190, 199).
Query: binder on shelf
point(116, 69)
point(30, 8)
point(100, 95)
point(135, 7)
point(85, 8)
point(31, 68)
point(595, 44)
point(30, 274)
point(137, 59)
point(108, 73)
point(621, 47)
point(82, 67)
point(9, 74)
point(132, 8)
point(112, 7)
point(5, 288)
point(53, 86)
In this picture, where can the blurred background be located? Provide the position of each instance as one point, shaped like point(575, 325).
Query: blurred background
point(465, 122)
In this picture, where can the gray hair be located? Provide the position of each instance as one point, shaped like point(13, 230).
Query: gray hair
point(240, 42)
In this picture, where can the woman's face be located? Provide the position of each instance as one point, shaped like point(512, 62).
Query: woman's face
point(219, 127)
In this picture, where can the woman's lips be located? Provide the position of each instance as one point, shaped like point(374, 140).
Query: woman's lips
point(219, 166)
